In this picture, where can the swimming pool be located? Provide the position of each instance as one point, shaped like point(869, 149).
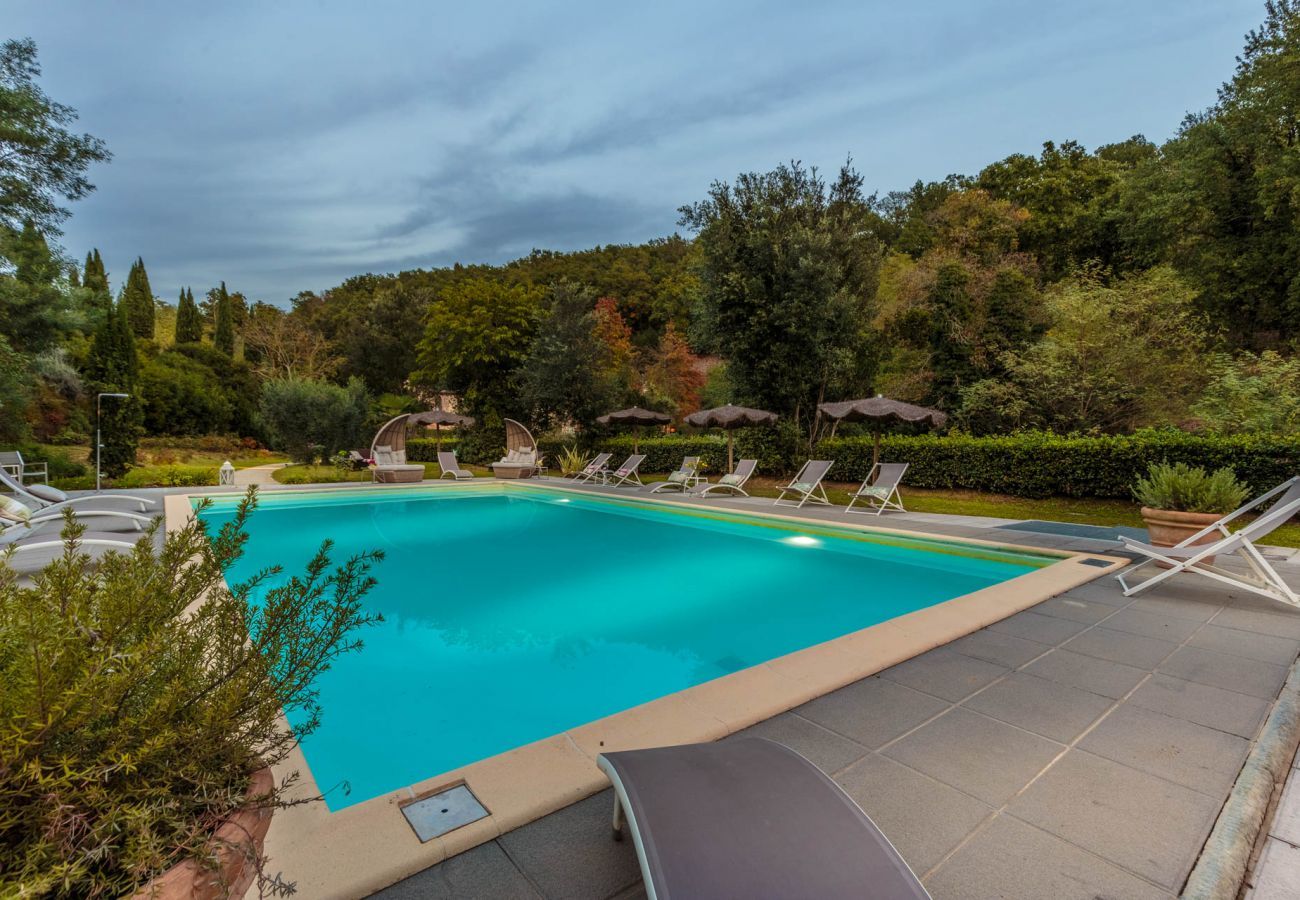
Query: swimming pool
point(514, 615)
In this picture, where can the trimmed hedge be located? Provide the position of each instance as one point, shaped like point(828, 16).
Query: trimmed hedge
point(426, 449)
point(1030, 464)
point(1045, 465)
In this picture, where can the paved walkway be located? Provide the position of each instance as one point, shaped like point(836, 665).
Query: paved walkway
point(1277, 871)
point(257, 474)
point(1080, 749)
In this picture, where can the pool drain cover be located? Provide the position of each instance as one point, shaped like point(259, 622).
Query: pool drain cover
point(1093, 561)
point(437, 814)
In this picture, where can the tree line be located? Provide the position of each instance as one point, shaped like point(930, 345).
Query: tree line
point(1073, 290)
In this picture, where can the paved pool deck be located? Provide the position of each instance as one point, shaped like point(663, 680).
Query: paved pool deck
point(1080, 749)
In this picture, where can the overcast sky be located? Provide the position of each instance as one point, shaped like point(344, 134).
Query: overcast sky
point(286, 146)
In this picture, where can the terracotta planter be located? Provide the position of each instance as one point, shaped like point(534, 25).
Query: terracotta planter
point(1168, 527)
point(238, 842)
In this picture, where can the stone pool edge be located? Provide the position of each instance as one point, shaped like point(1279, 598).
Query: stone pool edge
point(363, 848)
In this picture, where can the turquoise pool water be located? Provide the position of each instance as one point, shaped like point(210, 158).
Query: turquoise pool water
point(511, 616)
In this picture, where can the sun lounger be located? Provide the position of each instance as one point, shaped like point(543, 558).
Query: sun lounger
point(592, 469)
point(749, 818)
point(44, 498)
point(880, 491)
point(626, 473)
point(17, 517)
point(733, 483)
point(680, 480)
point(450, 467)
point(1199, 559)
point(807, 485)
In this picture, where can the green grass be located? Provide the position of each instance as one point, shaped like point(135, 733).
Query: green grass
point(300, 474)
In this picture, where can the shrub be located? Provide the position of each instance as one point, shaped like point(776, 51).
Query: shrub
point(140, 694)
point(1041, 464)
point(571, 461)
point(59, 463)
point(314, 419)
point(181, 396)
point(426, 449)
point(167, 476)
point(1185, 488)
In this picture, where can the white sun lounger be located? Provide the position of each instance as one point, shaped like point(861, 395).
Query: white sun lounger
point(450, 467)
point(681, 479)
point(44, 498)
point(880, 491)
point(807, 485)
point(626, 473)
point(1188, 556)
point(592, 469)
point(733, 483)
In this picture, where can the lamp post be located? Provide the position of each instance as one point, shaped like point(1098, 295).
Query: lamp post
point(99, 443)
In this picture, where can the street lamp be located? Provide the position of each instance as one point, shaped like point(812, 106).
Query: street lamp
point(99, 443)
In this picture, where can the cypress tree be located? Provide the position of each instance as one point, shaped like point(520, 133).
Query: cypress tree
point(95, 280)
point(189, 322)
point(138, 298)
point(33, 263)
point(223, 319)
point(113, 366)
point(74, 277)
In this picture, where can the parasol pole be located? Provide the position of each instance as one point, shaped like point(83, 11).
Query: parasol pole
point(438, 431)
point(875, 452)
point(731, 466)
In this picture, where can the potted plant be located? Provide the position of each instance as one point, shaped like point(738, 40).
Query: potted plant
point(144, 700)
point(1179, 500)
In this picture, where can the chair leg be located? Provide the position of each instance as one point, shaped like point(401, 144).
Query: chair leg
point(618, 818)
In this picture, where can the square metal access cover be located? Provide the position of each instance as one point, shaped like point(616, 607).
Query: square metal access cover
point(1093, 561)
point(440, 813)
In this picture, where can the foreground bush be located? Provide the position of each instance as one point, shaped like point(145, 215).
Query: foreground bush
point(139, 695)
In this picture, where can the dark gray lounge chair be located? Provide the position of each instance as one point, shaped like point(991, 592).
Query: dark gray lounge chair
point(749, 818)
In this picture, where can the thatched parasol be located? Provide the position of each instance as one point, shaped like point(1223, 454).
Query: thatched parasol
point(635, 416)
point(881, 411)
point(730, 417)
point(440, 417)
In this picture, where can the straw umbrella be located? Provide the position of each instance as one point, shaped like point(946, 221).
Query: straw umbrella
point(440, 417)
point(881, 411)
point(635, 416)
point(730, 418)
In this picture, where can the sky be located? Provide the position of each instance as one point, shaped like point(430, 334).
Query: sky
point(287, 146)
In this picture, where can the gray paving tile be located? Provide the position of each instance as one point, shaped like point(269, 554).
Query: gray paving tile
point(1232, 673)
point(921, 817)
point(996, 647)
point(1050, 708)
point(1200, 703)
point(872, 711)
point(1275, 620)
point(1104, 590)
point(484, 873)
point(1184, 604)
point(1145, 824)
point(1121, 647)
point(1076, 609)
point(1110, 679)
point(1286, 820)
point(1203, 759)
point(981, 756)
point(945, 673)
point(827, 750)
point(1012, 860)
point(571, 853)
point(1280, 651)
point(1154, 625)
point(1034, 626)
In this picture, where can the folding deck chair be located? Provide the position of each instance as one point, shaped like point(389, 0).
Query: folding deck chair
point(807, 485)
point(1189, 556)
point(880, 491)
